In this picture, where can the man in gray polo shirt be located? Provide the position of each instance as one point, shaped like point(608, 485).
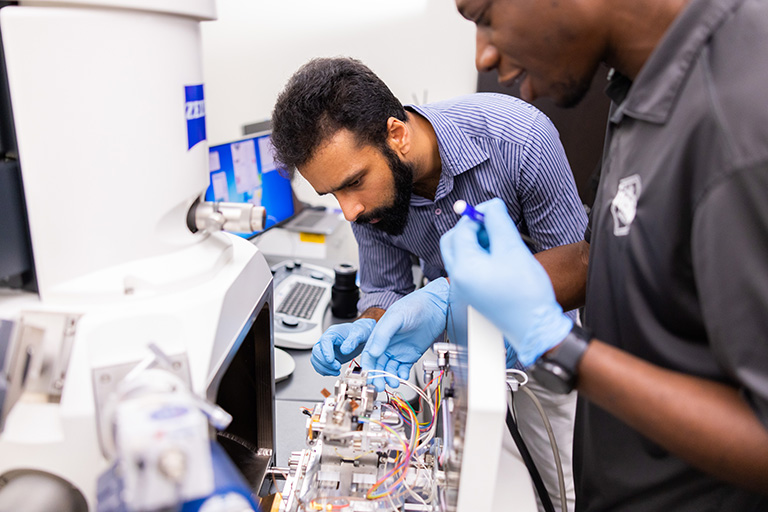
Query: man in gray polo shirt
point(673, 379)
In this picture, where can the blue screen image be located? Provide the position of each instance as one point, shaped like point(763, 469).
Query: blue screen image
point(244, 171)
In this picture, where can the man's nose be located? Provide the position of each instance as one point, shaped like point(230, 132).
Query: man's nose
point(486, 55)
point(351, 207)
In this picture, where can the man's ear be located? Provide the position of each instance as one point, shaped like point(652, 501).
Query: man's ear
point(398, 136)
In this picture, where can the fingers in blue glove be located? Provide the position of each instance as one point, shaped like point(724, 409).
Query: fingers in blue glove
point(359, 332)
point(409, 326)
point(392, 367)
point(406, 331)
point(378, 379)
point(367, 361)
point(320, 364)
point(502, 232)
point(327, 341)
point(506, 284)
point(338, 342)
point(511, 354)
point(503, 235)
point(388, 326)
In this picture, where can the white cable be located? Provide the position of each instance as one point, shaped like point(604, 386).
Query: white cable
point(405, 382)
point(422, 442)
point(520, 376)
point(414, 494)
point(392, 504)
point(422, 394)
point(550, 434)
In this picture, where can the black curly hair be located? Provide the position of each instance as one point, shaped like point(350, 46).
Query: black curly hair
point(324, 96)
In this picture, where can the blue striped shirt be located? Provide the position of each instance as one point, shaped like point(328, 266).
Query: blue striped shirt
point(491, 145)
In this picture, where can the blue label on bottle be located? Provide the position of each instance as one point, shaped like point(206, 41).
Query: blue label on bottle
point(168, 412)
point(194, 111)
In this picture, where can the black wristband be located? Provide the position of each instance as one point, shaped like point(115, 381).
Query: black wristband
point(557, 369)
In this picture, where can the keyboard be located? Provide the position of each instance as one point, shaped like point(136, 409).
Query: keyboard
point(302, 300)
point(302, 297)
point(309, 220)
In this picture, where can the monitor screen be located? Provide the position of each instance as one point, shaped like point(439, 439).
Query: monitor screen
point(244, 171)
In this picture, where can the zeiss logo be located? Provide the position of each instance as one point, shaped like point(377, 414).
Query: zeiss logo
point(194, 111)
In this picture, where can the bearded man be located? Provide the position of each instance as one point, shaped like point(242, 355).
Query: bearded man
point(396, 172)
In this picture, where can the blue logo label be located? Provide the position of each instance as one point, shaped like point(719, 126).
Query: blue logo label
point(168, 412)
point(194, 111)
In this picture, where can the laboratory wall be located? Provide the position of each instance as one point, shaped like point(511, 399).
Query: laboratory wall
point(423, 49)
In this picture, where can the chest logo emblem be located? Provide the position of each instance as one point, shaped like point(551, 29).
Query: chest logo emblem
point(624, 204)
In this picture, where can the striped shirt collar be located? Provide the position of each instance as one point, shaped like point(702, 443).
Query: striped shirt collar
point(458, 152)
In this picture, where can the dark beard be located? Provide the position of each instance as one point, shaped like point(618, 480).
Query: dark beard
point(393, 218)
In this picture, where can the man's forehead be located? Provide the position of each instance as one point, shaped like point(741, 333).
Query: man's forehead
point(342, 137)
point(340, 158)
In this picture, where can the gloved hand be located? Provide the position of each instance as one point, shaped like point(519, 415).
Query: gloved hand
point(511, 354)
point(505, 283)
point(406, 331)
point(340, 344)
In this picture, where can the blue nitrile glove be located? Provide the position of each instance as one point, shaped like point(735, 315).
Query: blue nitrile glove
point(505, 283)
point(511, 354)
point(340, 344)
point(406, 331)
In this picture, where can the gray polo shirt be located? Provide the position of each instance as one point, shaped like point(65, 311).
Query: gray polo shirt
point(679, 247)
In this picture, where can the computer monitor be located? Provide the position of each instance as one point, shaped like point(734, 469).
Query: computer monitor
point(244, 171)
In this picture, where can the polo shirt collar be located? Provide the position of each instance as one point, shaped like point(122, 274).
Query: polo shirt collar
point(656, 89)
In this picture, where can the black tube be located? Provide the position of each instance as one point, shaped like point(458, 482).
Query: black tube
point(345, 293)
point(541, 489)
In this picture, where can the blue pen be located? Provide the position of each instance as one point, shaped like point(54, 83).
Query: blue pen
point(464, 208)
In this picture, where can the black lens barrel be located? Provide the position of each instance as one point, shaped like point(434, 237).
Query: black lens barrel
point(345, 293)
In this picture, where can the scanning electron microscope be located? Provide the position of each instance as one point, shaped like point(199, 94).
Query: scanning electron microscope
point(136, 332)
point(136, 366)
